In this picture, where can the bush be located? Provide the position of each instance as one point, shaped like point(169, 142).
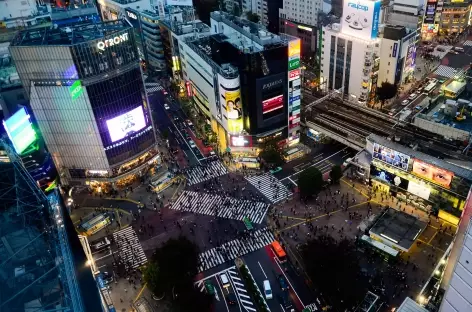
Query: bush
point(253, 290)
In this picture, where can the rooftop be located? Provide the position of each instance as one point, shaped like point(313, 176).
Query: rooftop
point(398, 227)
point(441, 115)
point(459, 171)
point(67, 35)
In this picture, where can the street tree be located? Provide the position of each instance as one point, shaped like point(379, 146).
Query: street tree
point(170, 273)
point(272, 154)
point(310, 182)
point(336, 173)
point(253, 17)
point(236, 10)
point(386, 92)
point(335, 270)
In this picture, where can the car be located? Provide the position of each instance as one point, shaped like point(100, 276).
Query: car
point(275, 170)
point(413, 96)
point(392, 112)
point(224, 280)
point(166, 106)
point(231, 299)
point(102, 244)
point(347, 162)
point(283, 282)
point(210, 289)
point(405, 102)
point(164, 92)
point(192, 144)
point(212, 154)
point(418, 107)
point(189, 123)
point(267, 289)
point(176, 118)
point(107, 278)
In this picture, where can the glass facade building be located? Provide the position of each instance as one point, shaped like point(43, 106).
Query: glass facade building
point(87, 95)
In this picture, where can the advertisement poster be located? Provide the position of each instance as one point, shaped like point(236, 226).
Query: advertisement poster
point(361, 18)
point(391, 156)
point(294, 74)
point(126, 124)
point(20, 130)
point(241, 141)
point(294, 48)
point(272, 104)
point(432, 173)
point(234, 110)
point(419, 190)
point(293, 64)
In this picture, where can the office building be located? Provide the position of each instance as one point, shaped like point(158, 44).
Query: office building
point(397, 55)
point(300, 18)
point(406, 13)
point(357, 35)
point(234, 73)
point(112, 10)
point(87, 96)
point(43, 266)
point(15, 13)
point(148, 39)
point(442, 18)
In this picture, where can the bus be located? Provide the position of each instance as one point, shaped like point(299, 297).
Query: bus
point(430, 87)
point(279, 251)
point(96, 224)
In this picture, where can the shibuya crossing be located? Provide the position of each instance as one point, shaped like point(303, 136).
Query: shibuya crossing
point(87, 96)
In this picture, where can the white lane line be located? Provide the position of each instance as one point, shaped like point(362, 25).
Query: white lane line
point(293, 181)
point(288, 281)
point(315, 164)
point(217, 273)
point(262, 269)
point(222, 293)
point(282, 308)
point(181, 135)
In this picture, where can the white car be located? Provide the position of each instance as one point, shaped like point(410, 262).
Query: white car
point(166, 106)
point(267, 290)
point(192, 144)
point(412, 96)
point(224, 280)
point(405, 102)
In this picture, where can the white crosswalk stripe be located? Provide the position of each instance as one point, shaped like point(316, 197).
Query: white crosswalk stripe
point(270, 187)
point(218, 206)
point(153, 89)
point(468, 43)
point(446, 71)
point(130, 251)
point(235, 248)
point(210, 170)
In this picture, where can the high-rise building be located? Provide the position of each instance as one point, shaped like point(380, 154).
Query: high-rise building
point(87, 95)
point(43, 266)
point(244, 80)
point(112, 10)
point(407, 13)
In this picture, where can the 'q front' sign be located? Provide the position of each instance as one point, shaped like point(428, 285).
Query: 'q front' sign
point(102, 45)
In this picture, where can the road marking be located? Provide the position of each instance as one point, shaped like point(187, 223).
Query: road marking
point(293, 181)
point(140, 292)
point(185, 141)
point(219, 286)
point(282, 307)
point(215, 274)
point(316, 163)
point(262, 269)
point(105, 256)
point(288, 281)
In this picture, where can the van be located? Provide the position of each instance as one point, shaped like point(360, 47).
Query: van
point(224, 280)
point(267, 290)
point(459, 49)
point(347, 162)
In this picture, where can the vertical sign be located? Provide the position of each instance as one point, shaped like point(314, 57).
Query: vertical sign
point(294, 85)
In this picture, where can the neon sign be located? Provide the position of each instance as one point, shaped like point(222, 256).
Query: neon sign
point(102, 45)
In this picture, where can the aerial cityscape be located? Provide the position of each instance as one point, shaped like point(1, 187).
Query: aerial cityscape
point(236, 155)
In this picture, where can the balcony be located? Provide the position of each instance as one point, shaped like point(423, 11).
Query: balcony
point(367, 63)
point(152, 28)
point(149, 36)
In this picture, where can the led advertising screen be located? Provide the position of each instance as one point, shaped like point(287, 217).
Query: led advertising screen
point(272, 104)
point(241, 140)
point(20, 130)
point(432, 173)
point(391, 156)
point(126, 124)
point(361, 18)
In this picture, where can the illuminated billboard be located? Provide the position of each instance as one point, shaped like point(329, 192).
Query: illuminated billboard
point(20, 130)
point(241, 141)
point(294, 48)
point(126, 124)
point(76, 89)
point(361, 18)
point(432, 173)
point(391, 156)
point(272, 104)
point(293, 74)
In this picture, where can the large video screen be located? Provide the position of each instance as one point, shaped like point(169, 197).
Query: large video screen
point(20, 130)
point(432, 173)
point(273, 104)
point(391, 156)
point(126, 124)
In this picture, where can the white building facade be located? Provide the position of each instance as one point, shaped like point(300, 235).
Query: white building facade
point(111, 10)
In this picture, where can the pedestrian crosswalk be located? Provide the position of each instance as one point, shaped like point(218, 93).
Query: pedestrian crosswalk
point(153, 87)
point(241, 290)
point(270, 187)
point(130, 251)
point(468, 43)
point(446, 71)
point(231, 250)
point(219, 206)
point(210, 170)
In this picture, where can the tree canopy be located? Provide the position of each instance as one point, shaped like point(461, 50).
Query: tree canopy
point(336, 173)
point(334, 268)
point(272, 154)
point(310, 182)
point(253, 17)
point(171, 272)
point(386, 91)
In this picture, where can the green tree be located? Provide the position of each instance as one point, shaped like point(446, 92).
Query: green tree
point(385, 92)
point(236, 10)
point(310, 182)
point(253, 17)
point(334, 269)
point(171, 273)
point(272, 154)
point(336, 173)
point(165, 134)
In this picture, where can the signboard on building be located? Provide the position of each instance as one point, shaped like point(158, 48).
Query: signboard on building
point(293, 74)
point(20, 130)
point(103, 44)
point(180, 2)
point(293, 64)
point(361, 18)
point(432, 173)
point(430, 12)
point(391, 156)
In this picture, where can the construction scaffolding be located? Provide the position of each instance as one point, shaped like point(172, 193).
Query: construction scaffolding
point(37, 271)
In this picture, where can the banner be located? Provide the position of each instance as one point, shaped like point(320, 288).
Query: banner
point(234, 110)
point(432, 173)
